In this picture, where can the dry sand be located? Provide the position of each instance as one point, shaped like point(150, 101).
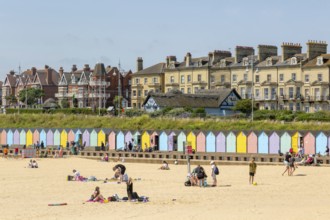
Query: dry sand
point(26, 192)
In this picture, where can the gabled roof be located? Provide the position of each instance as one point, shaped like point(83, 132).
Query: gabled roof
point(11, 79)
point(176, 99)
point(155, 69)
point(99, 69)
point(313, 62)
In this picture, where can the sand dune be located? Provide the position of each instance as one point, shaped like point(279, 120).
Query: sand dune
point(25, 192)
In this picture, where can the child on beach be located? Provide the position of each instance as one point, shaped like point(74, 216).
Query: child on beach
point(252, 170)
point(96, 197)
point(105, 158)
point(164, 166)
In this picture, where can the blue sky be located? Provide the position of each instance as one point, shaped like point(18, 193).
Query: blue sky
point(65, 32)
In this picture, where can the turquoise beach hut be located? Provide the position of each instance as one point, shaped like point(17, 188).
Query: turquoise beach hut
point(22, 137)
point(10, 137)
point(43, 137)
point(93, 138)
point(163, 141)
point(263, 143)
point(120, 140)
point(321, 142)
point(57, 137)
point(285, 142)
point(210, 142)
point(182, 138)
point(231, 142)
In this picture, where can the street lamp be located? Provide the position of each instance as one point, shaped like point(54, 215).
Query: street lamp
point(119, 88)
point(252, 92)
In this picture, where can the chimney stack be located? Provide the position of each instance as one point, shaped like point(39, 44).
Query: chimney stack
point(217, 55)
point(289, 50)
point(316, 48)
point(34, 71)
point(170, 59)
point(12, 72)
point(86, 68)
point(265, 51)
point(242, 52)
point(139, 64)
point(74, 68)
point(61, 71)
point(188, 59)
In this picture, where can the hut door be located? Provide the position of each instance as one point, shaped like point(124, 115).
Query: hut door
point(156, 144)
point(175, 143)
point(80, 139)
point(138, 140)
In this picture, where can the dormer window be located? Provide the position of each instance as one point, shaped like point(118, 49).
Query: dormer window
point(319, 61)
point(293, 60)
point(73, 79)
point(269, 62)
point(245, 61)
point(223, 63)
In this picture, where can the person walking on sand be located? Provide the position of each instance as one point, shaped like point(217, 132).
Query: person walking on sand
point(215, 172)
point(252, 170)
point(287, 163)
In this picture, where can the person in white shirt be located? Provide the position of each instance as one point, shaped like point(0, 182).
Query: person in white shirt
point(214, 177)
point(76, 175)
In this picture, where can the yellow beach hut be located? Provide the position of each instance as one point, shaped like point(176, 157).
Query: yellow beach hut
point(29, 138)
point(101, 138)
point(64, 138)
point(191, 140)
point(145, 140)
point(241, 142)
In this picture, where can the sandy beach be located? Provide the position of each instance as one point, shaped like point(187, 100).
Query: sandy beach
point(26, 193)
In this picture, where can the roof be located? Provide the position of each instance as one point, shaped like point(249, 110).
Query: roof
point(155, 69)
point(176, 99)
point(99, 69)
point(313, 62)
point(12, 79)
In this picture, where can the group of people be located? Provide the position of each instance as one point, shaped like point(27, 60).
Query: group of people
point(33, 164)
point(198, 176)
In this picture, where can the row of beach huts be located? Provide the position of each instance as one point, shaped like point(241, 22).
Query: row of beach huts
point(263, 142)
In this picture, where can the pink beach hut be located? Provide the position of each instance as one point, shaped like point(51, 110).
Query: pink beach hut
point(112, 140)
point(36, 136)
point(200, 141)
point(71, 136)
point(252, 143)
point(309, 143)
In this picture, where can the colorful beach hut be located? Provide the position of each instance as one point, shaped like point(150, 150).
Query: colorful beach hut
point(321, 142)
point(172, 141)
point(101, 138)
point(154, 139)
point(78, 136)
point(221, 142)
point(231, 142)
point(10, 137)
point(285, 142)
point(112, 140)
point(57, 137)
point(128, 137)
point(145, 140)
point(274, 143)
point(64, 138)
point(137, 138)
point(263, 143)
point(93, 138)
point(120, 140)
point(86, 138)
point(36, 136)
point(200, 142)
point(182, 138)
point(252, 143)
point(43, 137)
point(22, 137)
point(29, 138)
point(241, 142)
point(210, 142)
point(309, 143)
point(71, 136)
point(163, 141)
point(3, 137)
point(16, 137)
point(295, 143)
point(50, 137)
point(191, 140)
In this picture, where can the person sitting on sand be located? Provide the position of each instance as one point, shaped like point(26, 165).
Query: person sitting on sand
point(105, 158)
point(76, 175)
point(5, 152)
point(30, 164)
point(97, 196)
point(200, 174)
point(164, 166)
point(34, 164)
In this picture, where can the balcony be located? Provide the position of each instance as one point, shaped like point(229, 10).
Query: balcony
point(98, 83)
point(98, 95)
point(139, 85)
point(154, 85)
point(201, 83)
point(173, 84)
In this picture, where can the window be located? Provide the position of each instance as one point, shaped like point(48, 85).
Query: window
point(129, 82)
point(293, 61)
point(134, 92)
point(172, 79)
point(269, 78)
point(293, 76)
point(139, 105)
point(272, 106)
point(212, 79)
point(298, 107)
point(137, 81)
point(145, 80)
point(139, 93)
point(145, 92)
point(245, 77)
point(317, 93)
point(317, 107)
point(189, 90)
point(307, 93)
point(134, 105)
point(257, 78)
point(307, 108)
point(157, 90)
point(319, 61)
point(189, 78)
point(182, 79)
point(298, 92)
point(291, 92)
point(196, 89)
point(306, 78)
point(319, 77)
point(234, 78)
point(199, 77)
point(273, 91)
point(182, 90)
point(243, 95)
point(202, 88)
point(155, 80)
point(291, 106)
point(266, 93)
point(222, 78)
point(281, 77)
point(257, 94)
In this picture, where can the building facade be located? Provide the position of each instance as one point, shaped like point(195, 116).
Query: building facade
point(293, 80)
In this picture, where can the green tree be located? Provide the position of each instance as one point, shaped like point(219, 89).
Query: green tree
point(11, 99)
point(30, 95)
point(117, 101)
point(65, 103)
point(244, 106)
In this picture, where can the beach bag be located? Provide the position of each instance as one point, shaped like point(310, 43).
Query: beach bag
point(112, 199)
point(187, 183)
point(69, 178)
point(216, 171)
point(92, 178)
point(135, 195)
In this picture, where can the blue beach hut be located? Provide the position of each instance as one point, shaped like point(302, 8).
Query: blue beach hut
point(210, 142)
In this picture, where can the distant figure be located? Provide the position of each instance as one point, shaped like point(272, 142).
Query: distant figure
point(252, 170)
point(164, 166)
point(287, 163)
point(76, 175)
point(102, 146)
point(327, 151)
point(130, 188)
point(97, 196)
point(42, 146)
point(130, 146)
point(119, 171)
point(5, 152)
point(105, 158)
point(215, 172)
point(67, 145)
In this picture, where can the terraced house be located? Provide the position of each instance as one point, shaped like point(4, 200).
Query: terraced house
point(292, 80)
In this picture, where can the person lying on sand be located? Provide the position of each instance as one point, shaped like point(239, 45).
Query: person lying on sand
point(164, 166)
